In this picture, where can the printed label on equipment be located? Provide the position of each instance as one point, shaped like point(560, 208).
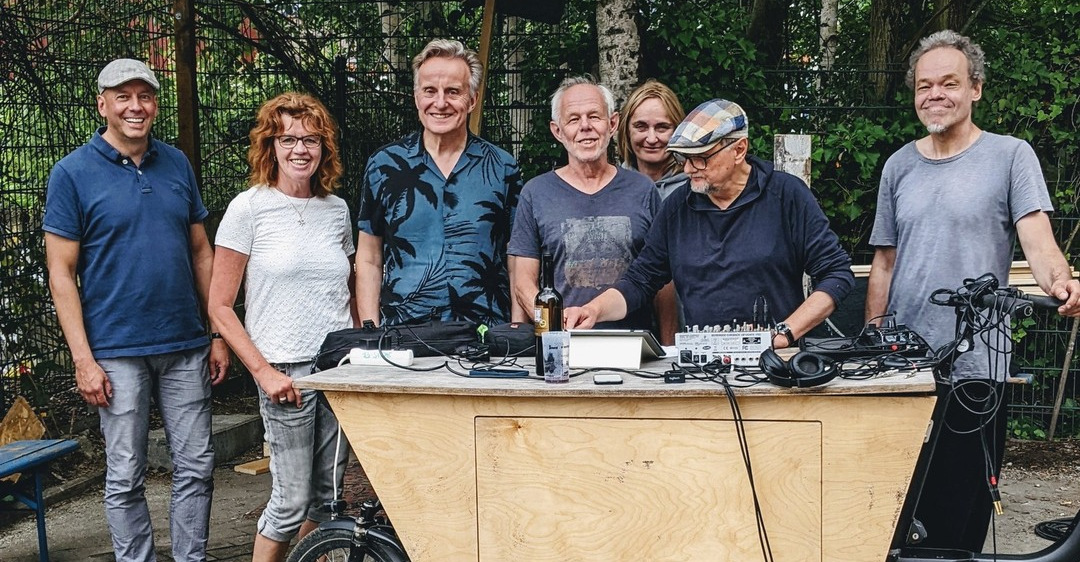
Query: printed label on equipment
point(728, 348)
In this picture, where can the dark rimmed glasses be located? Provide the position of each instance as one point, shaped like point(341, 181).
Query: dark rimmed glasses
point(698, 161)
point(289, 141)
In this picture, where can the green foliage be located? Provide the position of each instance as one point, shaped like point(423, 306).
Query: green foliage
point(551, 58)
point(1020, 328)
point(30, 346)
point(1025, 428)
point(847, 161)
point(1033, 89)
point(702, 57)
point(1069, 415)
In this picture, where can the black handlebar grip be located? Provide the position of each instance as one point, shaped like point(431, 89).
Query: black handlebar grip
point(1045, 302)
point(1018, 306)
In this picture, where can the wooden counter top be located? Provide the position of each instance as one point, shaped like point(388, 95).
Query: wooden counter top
point(393, 380)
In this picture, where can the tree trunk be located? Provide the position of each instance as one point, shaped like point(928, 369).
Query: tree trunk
point(766, 31)
point(393, 55)
point(952, 14)
point(827, 36)
point(827, 40)
point(619, 46)
point(187, 98)
point(886, 28)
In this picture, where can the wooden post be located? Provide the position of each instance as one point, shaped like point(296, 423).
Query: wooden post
point(791, 154)
point(485, 51)
point(187, 93)
point(1064, 379)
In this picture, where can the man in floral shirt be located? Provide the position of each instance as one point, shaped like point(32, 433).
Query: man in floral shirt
point(436, 207)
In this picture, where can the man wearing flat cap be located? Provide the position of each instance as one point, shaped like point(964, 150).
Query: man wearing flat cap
point(129, 269)
point(736, 240)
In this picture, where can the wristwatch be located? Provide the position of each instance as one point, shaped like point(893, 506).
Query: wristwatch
point(783, 329)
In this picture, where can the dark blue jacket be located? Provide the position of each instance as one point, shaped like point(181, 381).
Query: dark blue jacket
point(724, 262)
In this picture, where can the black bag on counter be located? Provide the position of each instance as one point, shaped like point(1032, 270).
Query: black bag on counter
point(428, 339)
point(516, 339)
point(337, 344)
point(425, 339)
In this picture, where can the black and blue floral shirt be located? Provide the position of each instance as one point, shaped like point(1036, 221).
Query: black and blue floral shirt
point(443, 238)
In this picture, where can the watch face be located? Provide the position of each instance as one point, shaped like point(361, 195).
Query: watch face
point(782, 329)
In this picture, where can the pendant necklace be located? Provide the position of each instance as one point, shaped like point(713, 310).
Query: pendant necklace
point(299, 211)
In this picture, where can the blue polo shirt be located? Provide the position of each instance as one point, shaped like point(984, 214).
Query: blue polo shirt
point(133, 224)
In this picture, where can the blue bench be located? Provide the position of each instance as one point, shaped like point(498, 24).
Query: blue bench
point(30, 458)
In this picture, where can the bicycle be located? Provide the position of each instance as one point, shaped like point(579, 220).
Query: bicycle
point(368, 538)
point(975, 303)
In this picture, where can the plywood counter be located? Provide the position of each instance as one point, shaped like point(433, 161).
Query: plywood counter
point(524, 471)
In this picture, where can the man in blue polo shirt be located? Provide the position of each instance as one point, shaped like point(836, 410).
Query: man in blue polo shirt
point(737, 238)
point(129, 269)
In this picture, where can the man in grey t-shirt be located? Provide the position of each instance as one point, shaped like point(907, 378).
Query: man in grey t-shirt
point(951, 206)
point(591, 215)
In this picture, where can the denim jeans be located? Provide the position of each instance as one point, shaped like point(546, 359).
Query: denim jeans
point(179, 383)
point(303, 448)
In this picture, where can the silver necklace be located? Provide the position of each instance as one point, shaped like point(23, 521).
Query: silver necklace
point(299, 211)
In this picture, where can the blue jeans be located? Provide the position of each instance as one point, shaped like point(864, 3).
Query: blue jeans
point(180, 385)
point(303, 445)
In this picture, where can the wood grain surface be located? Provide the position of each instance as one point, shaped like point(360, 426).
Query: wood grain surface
point(520, 470)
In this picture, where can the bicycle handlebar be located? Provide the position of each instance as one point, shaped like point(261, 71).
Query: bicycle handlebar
point(984, 292)
point(1017, 304)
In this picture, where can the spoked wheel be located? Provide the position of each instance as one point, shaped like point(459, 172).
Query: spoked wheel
point(336, 545)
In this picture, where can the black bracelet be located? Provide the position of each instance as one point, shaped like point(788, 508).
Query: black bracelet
point(215, 335)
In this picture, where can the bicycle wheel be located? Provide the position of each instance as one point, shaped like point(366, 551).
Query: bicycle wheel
point(335, 545)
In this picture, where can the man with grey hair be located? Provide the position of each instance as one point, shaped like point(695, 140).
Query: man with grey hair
point(950, 207)
point(736, 239)
point(129, 270)
point(591, 215)
point(436, 207)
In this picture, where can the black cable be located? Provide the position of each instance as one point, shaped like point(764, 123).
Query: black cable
point(640, 373)
point(382, 353)
point(1054, 529)
point(475, 365)
point(744, 448)
point(982, 398)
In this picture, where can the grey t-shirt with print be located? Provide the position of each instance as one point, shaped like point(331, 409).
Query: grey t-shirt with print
point(592, 237)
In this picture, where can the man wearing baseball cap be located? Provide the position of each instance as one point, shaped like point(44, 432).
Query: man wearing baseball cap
point(129, 269)
point(736, 240)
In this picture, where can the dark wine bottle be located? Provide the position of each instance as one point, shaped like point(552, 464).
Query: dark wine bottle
point(547, 309)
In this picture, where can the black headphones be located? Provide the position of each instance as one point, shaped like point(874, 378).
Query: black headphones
point(803, 371)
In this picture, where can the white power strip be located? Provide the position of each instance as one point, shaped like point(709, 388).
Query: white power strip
point(358, 356)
